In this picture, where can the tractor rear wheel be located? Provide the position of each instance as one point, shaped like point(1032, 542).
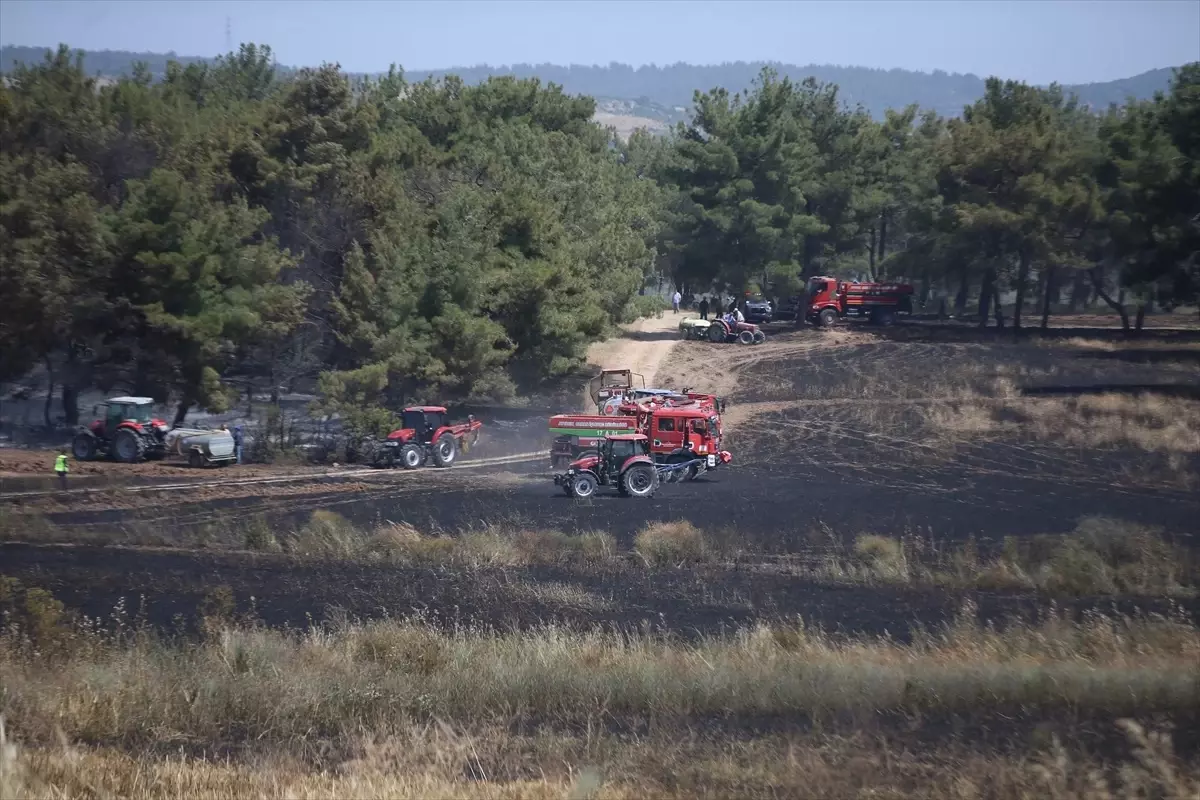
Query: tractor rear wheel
point(640, 480)
point(583, 485)
point(445, 450)
point(84, 447)
point(716, 333)
point(412, 456)
point(127, 446)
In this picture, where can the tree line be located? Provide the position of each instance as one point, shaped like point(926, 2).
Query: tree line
point(227, 229)
point(1026, 193)
point(671, 86)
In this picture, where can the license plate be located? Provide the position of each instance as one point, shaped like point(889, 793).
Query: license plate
point(712, 461)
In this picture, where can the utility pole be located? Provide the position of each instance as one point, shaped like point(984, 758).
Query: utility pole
point(228, 35)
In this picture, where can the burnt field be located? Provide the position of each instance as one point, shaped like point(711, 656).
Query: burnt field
point(938, 556)
point(834, 436)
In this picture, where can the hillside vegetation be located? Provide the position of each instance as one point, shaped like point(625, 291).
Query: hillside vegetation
point(664, 93)
point(232, 228)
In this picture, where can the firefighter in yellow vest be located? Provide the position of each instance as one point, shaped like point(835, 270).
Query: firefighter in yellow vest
point(60, 466)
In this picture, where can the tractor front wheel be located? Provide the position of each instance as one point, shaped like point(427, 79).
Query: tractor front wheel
point(746, 337)
point(84, 447)
point(759, 337)
point(127, 446)
point(445, 451)
point(640, 480)
point(411, 456)
point(583, 485)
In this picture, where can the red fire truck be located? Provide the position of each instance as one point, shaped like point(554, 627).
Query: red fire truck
point(828, 300)
point(677, 433)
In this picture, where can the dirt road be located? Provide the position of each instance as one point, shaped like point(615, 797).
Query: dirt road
point(642, 347)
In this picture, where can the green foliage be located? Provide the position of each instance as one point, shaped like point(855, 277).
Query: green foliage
point(225, 229)
point(231, 228)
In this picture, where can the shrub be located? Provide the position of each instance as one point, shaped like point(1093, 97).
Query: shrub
point(661, 543)
point(329, 535)
point(885, 557)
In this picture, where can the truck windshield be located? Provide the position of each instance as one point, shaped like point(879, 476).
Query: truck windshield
point(815, 287)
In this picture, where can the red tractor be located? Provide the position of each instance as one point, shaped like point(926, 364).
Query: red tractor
point(828, 300)
point(726, 329)
point(125, 429)
point(622, 461)
point(425, 434)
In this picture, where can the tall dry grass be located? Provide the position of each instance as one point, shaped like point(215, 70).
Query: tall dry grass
point(440, 760)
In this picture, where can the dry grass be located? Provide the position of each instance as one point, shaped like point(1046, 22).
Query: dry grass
point(665, 543)
point(1100, 557)
point(243, 684)
point(399, 708)
point(440, 760)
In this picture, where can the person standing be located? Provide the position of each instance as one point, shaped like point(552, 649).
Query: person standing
point(704, 308)
point(237, 442)
point(675, 299)
point(60, 467)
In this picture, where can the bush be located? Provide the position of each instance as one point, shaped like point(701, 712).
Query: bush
point(885, 557)
point(661, 543)
point(329, 535)
point(643, 305)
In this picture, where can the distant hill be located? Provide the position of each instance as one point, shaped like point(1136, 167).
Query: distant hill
point(664, 94)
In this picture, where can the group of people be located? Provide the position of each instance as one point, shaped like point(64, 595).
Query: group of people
point(733, 314)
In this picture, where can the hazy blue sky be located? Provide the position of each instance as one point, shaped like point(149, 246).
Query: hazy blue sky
point(1071, 41)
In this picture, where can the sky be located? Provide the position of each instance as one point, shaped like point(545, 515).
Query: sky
point(1039, 41)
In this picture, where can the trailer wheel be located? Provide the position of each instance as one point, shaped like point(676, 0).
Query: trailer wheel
point(195, 460)
point(827, 318)
point(445, 451)
point(640, 480)
point(412, 456)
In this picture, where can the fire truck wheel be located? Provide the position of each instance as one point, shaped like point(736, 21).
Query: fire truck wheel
point(411, 456)
point(885, 318)
point(827, 318)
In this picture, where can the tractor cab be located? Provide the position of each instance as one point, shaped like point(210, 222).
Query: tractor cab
point(616, 449)
point(419, 423)
point(111, 413)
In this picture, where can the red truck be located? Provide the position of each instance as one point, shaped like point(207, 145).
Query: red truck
point(828, 300)
point(676, 432)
